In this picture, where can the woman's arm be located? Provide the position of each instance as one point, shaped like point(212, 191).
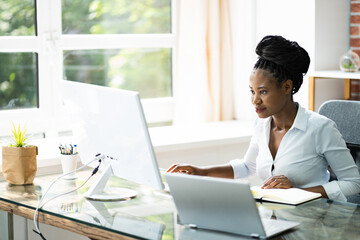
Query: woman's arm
point(331, 144)
point(283, 182)
point(224, 171)
point(234, 169)
point(317, 189)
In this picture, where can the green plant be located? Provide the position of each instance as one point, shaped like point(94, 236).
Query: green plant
point(348, 65)
point(19, 136)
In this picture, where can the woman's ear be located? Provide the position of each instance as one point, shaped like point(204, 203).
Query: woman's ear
point(287, 86)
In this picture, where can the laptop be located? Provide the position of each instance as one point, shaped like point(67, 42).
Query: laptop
point(222, 205)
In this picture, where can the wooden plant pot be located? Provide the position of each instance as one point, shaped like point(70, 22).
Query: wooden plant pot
point(19, 164)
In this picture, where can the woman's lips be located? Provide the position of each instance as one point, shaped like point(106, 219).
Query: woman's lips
point(260, 110)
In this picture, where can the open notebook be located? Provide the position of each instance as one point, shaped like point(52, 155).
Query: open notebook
point(293, 196)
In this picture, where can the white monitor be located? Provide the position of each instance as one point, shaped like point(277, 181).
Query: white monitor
point(111, 122)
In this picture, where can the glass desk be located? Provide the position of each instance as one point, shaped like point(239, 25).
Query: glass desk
point(152, 214)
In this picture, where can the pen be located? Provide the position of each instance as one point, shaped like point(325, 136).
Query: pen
point(68, 149)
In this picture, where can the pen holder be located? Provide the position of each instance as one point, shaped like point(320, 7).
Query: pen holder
point(69, 163)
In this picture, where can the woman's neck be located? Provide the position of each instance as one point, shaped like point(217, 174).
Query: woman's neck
point(285, 119)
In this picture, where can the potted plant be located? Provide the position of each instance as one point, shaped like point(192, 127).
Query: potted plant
point(19, 159)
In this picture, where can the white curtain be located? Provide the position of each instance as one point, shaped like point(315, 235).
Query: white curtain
point(203, 86)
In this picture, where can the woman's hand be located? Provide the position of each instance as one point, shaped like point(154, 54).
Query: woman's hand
point(188, 169)
point(277, 182)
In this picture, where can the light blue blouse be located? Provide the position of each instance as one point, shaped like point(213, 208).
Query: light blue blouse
point(305, 152)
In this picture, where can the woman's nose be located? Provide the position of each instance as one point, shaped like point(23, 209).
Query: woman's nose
point(256, 100)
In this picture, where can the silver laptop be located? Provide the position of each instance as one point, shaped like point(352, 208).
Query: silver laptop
point(220, 204)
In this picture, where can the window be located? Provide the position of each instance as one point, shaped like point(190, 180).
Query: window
point(125, 44)
point(146, 69)
point(116, 16)
point(18, 74)
point(18, 69)
point(17, 18)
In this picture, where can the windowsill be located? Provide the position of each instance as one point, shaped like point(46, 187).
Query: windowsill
point(164, 139)
point(173, 138)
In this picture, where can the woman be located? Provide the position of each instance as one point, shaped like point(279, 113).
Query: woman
point(291, 146)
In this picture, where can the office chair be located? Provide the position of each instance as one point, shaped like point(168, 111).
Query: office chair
point(346, 115)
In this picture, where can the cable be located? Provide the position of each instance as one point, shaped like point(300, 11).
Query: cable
point(59, 195)
point(40, 206)
point(99, 157)
point(38, 213)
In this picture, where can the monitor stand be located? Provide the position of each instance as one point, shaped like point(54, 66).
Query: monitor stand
point(99, 192)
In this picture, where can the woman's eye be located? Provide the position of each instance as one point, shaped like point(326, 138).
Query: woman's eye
point(263, 92)
point(252, 91)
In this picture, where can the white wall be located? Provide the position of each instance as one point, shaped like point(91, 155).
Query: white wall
point(244, 57)
point(292, 19)
point(326, 89)
point(332, 40)
point(320, 26)
point(332, 33)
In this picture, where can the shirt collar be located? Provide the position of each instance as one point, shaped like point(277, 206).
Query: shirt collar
point(301, 120)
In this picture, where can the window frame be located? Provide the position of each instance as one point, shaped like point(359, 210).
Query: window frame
point(49, 44)
point(117, 41)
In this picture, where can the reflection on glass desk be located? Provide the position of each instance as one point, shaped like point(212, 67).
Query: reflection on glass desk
point(152, 214)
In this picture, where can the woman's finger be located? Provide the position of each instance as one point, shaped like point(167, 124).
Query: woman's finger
point(172, 167)
point(182, 169)
point(272, 183)
point(279, 181)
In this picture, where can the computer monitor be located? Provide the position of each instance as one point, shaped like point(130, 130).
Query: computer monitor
point(111, 122)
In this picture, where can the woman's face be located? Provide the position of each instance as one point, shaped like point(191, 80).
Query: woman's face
point(267, 97)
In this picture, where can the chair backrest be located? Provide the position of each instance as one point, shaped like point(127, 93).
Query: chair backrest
point(346, 115)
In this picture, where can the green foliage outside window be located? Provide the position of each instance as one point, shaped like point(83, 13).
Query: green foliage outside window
point(145, 70)
point(116, 16)
point(17, 18)
point(18, 80)
point(18, 71)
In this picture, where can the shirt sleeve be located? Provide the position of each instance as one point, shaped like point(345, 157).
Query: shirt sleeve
point(245, 167)
point(332, 146)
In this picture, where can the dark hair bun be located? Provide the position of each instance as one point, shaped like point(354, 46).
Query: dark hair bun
point(284, 59)
point(285, 53)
